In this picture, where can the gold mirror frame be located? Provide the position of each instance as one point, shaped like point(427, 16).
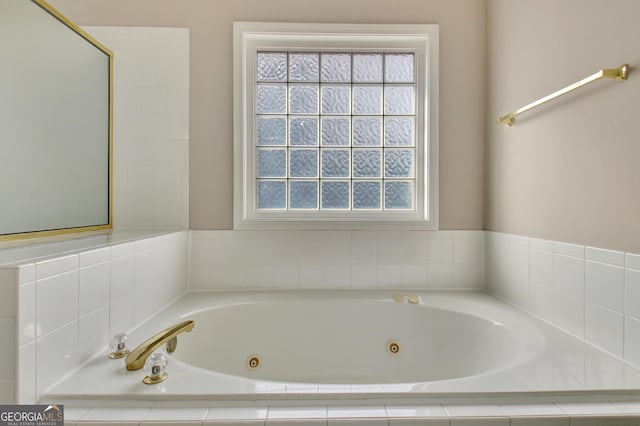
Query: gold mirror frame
point(109, 225)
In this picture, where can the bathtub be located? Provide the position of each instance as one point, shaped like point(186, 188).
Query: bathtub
point(355, 338)
point(364, 345)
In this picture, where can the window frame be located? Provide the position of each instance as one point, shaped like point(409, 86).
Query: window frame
point(251, 37)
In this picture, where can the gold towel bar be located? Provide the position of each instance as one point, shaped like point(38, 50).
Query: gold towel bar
point(619, 74)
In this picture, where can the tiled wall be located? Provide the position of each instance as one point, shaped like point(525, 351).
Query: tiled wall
point(151, 125)
point(67, 307)
point(589, 292)
point(81, 299)
point(448, 413)
point(336, 259)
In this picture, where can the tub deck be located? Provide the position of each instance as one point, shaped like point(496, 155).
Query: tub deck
point(564, 367)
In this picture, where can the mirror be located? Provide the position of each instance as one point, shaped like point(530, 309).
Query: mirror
point(55, 124)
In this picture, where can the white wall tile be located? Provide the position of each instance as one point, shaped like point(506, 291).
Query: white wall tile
point(469, 410)
point(604, 285)
point(56, 355)
point(541, 302)
point(239, 251)
point(93, 286)
point(632, 261)
point(364, 276)
point(632, 340)
point(469, 251)
point(518, 293)
point(468, 276)
point(311, 246)
point(292, 413)
point(604, 328)
point(572, 250)
point(604, 256)
point(122, 277)
point(599, 421)
point(568, 313)
point(57, 266)
point(310, 277)
point(122, 250)
point(64, 338)
point(532, 409)
point(56, 301)
point(236, 277)
point(419, 411)
point(151, 93)
point(414, 247)
point(441, 234)
point(8, 286)
point(632, 293)
point(26, 273)
point(239, 259)
point(415, 276)
point(206, 277)
point(373, 415)
point(363, 250)
point(569, 275)
point(93, 333)
point(628, 407)
point(389, 276)
point(519, 264)
point(144, 284)
point(469, 234)
point(237, 414)
point(541, 421)
point(174, 415)
point(440, 250)
point(290, 422)
point(541, 267)
point(337, 247)
point(274, 276)
point(120, 415)
point(26, 313)
point(542, 245)
point(8, 349)
point(92, 257)
point(440, 276)
point(121, 315)
point(593, 409)
point(418, 422)
point(388, 248)
point(26, 385)
point(337, 276)
point(480, 421)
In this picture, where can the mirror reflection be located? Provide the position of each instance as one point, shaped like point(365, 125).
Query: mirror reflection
point(55, 121)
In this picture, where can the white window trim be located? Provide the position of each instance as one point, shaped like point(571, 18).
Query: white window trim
point(248, 37)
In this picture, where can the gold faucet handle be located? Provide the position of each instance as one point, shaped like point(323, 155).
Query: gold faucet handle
point(136, 359)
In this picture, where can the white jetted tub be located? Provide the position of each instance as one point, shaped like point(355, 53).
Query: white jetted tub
point(353, 344)
point(353, 338)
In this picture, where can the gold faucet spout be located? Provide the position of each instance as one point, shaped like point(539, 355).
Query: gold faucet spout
point(136, 359)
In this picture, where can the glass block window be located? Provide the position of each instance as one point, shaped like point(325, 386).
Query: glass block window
point(335, 124)
point(335, 130)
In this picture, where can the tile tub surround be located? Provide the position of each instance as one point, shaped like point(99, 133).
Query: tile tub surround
point(506, 278)
point(540, 412)
point(590, 292)
point(61, 309)
point(151, 125)
point(235, 260)
point(335, 350)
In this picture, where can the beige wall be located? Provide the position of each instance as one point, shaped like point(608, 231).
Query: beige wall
point(462, 59)
point(567, 171)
